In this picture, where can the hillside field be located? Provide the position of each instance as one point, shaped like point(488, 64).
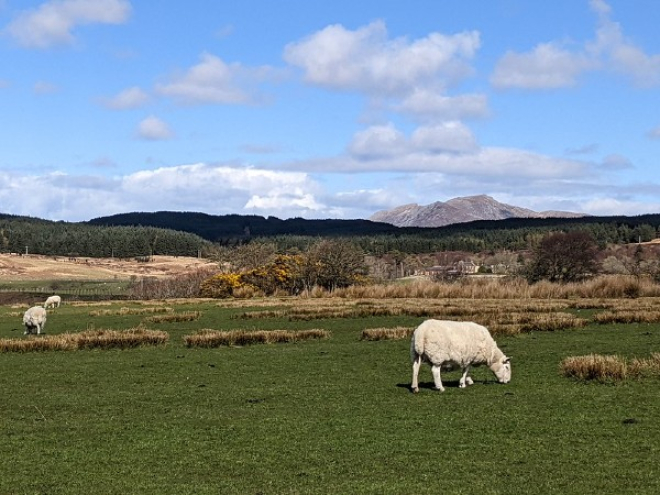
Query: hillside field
point(15, 267)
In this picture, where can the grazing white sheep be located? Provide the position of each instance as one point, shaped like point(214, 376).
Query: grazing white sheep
point(35, 317)
point(449, 345)
point(52, 302)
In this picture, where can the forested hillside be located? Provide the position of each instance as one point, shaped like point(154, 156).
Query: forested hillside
point(228, 228)
point(189, 234)
point(378, 238)
point(34, 236)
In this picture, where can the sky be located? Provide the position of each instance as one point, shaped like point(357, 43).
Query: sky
point(327, 109)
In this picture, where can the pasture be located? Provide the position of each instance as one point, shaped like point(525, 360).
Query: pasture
point(328, 415)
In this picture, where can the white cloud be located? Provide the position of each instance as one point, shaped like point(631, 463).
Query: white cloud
point(616, 162)
point(600, 7)
point(226, 189)
point(214, 81)
point(53, 21)
point(612, 206)
point(621, 54)
point(547, 66)
point(213, 189)
point(583, 150)
point(448, 147)
point(488, 162)
point(448, 137)
point(550, 65)
point(385, 142)
point(367, 60)
point(654, 133)
point(378, 142)
point(154, 129)
point(129, 98)
point(426, 104)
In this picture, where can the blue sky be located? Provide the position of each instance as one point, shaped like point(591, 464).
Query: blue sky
point(327, 109)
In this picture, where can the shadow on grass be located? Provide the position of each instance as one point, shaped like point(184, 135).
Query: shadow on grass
point(430, 385)
point(447, 384)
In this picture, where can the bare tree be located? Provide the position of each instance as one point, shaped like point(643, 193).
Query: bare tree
point(334, 263)
point(251, 255)
point(564, 257)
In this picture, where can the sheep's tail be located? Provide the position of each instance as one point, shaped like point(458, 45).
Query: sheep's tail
point(416, 345)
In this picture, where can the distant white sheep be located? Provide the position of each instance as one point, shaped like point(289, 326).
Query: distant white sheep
point(34, 318)
point(52, 302)
point(449, 345)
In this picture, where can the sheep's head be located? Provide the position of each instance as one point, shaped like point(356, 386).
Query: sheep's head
point(502, 369)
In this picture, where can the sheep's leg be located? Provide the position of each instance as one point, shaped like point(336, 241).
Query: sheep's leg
point(417, 363)
point(465, 379)
point(38, 328)
point(435, 370)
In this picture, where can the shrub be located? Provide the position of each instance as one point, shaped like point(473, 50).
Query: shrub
point(184, 285)
point(221, 285)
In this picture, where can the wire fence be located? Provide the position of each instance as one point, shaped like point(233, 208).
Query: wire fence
point(100, 292)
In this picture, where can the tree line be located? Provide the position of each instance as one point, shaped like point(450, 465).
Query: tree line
point(33, 236)
point(168, 233)
point(377, 238)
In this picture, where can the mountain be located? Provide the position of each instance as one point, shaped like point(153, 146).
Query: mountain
point(460, 210)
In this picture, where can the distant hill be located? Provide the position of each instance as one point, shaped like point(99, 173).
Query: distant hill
point(460, 210)
point(217, 228)
point(188, 234)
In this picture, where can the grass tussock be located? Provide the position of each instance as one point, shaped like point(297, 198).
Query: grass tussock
point(595, 367)
point(38, 344)
point(510, 318)
point(217, 338)
point(89, 339)
point(539, 323)
point(627, 316)
point(604, 286)
point(176, 317)
point(608, 369)
point(120, 339)
point(642, 367)
point(130, 311)
point(397, 333)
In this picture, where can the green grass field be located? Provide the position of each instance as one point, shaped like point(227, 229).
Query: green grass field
point(317, 417)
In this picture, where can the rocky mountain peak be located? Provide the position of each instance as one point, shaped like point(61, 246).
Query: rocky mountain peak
point(459, 210)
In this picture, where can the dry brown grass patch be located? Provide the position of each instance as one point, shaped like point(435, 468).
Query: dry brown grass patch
point(176, 317)
point(120, 339)
point(605, 369)
point(89, 339)
point(595, 367)
point(627, 316)
point(396, 333)
point(130, 311)
point(641, 367)
point(217, 338)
